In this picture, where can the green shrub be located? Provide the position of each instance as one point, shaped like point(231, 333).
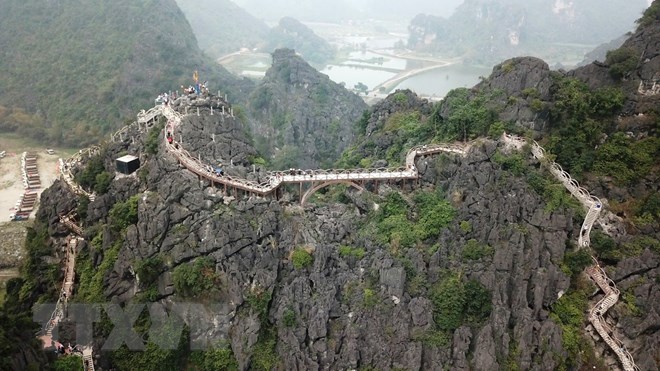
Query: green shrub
point(289, 318)
point(400, 98)
point(456, 302)
point(465, 226)
point(154, 138)
point(124, 213)
point(369, 298)
point(148, 270)
point(81, 209)
point(395, 227)
point(514, 162)
point(102, 182)
point(651, 14)
point(196, 278)
point(575, 262)
point(537, 105)
point(301, 258)
point(91, 277)
point(87, 177)
point(621, 61)
point(469, 115)
point(625, 160)
point(214, 359)
point(259, 301)
point(68, 363)
point(264, 356)
point(554, 194)
point(473, 250)
point(569, 313)
point(348, 251)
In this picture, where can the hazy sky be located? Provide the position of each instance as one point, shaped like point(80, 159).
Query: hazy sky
point(308, 10)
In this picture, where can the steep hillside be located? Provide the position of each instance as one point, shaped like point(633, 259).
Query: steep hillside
point(299, 117)
point(290, 33)
point(485, 31)
point(222, 27)
point(72, 70)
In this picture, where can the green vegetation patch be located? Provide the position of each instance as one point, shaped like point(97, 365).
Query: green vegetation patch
point(93, 176)
point(580, 117)
point(626, 160)
point(553, 193)
point(621, 62)
point(264, 354)
point(91, 277)
point(651, 14)
point(196, 278)
point(153, 139)
point(457, 302)
point(473, 250)
point(301, 258)
point(611, 252)
point(212, 360)
point(569, 312)
point(514, 162)
point(469, 117)
point(394, 224)
point(349, 251)
point(124, 213)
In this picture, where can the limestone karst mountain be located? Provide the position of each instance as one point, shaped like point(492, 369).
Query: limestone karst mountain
point(477, 263)
point(300, 118)
point(487, 32)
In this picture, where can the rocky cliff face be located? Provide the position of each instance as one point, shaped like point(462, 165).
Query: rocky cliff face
point(521, 86)
point(300, 117)
point(348, 308)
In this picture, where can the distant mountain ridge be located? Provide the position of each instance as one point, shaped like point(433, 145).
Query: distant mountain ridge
point(486, 31)
point(223, 27)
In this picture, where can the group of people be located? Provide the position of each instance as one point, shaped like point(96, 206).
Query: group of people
point(61, 349)
point(196, 89)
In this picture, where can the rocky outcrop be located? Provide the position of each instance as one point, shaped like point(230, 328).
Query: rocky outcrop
point(522, 86)
point(299, 117)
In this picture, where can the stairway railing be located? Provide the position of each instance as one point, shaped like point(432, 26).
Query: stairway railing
point(597, 274)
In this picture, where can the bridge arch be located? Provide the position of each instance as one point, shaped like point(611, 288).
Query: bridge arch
point(315, 188)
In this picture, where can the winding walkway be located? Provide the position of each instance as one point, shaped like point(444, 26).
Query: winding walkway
point(320, 177)
point(274, 179)
point(595, 272)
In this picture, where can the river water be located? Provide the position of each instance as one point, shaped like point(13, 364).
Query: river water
point(440, 81)
point(373, 69)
